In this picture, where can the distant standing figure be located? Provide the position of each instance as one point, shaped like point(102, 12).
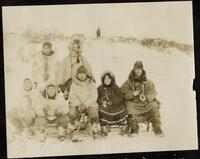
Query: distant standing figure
point(98, 32)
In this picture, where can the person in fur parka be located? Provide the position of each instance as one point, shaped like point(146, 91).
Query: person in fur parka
point(112, 109)
point(71, 63)
point(45, 67)
point(83, 97)
point(55, 110)
point(140, 95)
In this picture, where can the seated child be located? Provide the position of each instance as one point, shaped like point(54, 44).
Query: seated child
point(55, 111)
point(112, 110)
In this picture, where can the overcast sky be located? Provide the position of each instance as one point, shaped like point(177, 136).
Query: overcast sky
point(170, 20)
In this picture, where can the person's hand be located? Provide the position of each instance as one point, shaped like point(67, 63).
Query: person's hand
point(66, 94)
point(35, 85)
point(45, 111)
point(59, 111)
point(104, 104)
point(61, 131)
point(109, 103)
point(82, 108)
point(143, 98)
point(77, 123)
point(136, 93)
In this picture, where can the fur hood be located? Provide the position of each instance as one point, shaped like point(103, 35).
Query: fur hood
point(88, 80)
point(45, 92)
point(75, 39)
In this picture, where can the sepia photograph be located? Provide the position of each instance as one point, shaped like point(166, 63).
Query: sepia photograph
point(109, 78)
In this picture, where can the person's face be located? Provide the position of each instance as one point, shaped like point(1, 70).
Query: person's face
point(107, 80)
point(138, 72)
point(47, 49)
point(82, 76)
point(51, 91)
point(27, 85)
point(76, 47)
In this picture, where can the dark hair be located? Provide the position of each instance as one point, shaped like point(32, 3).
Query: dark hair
point(27, 79)
point(76, 41)
point(51, 85)
point(110, 76)
point(44, 92)
point(132, 76)
point(138, 65)
point(47, 44)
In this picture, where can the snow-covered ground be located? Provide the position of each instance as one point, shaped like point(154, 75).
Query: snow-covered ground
point(171, 70)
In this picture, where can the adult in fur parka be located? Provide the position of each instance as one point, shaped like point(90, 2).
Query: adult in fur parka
point(140, 96)
point(71, 63)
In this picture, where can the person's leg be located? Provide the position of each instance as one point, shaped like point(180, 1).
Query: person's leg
point(28, 126)
point(40, 123)
point(16, 122)
point(122, 117)
point(39, 128)
point(63, 120)
point(155, 119)
point(93, 116)
point(103, 118)
point(132, 124)
point(123, 129)
point(73, 113)
point(104, 129)
point(123, 125)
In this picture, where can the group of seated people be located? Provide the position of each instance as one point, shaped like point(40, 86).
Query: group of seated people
point(77, 104)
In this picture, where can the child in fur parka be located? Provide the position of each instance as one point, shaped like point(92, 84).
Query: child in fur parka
point(55, 111)
point(112, 110)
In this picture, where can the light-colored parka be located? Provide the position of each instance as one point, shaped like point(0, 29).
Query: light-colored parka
point(71, 62)
point(83, 93)
point(43, 64)
point(55, 106)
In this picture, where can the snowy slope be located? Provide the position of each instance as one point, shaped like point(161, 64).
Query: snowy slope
point(171, 70)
